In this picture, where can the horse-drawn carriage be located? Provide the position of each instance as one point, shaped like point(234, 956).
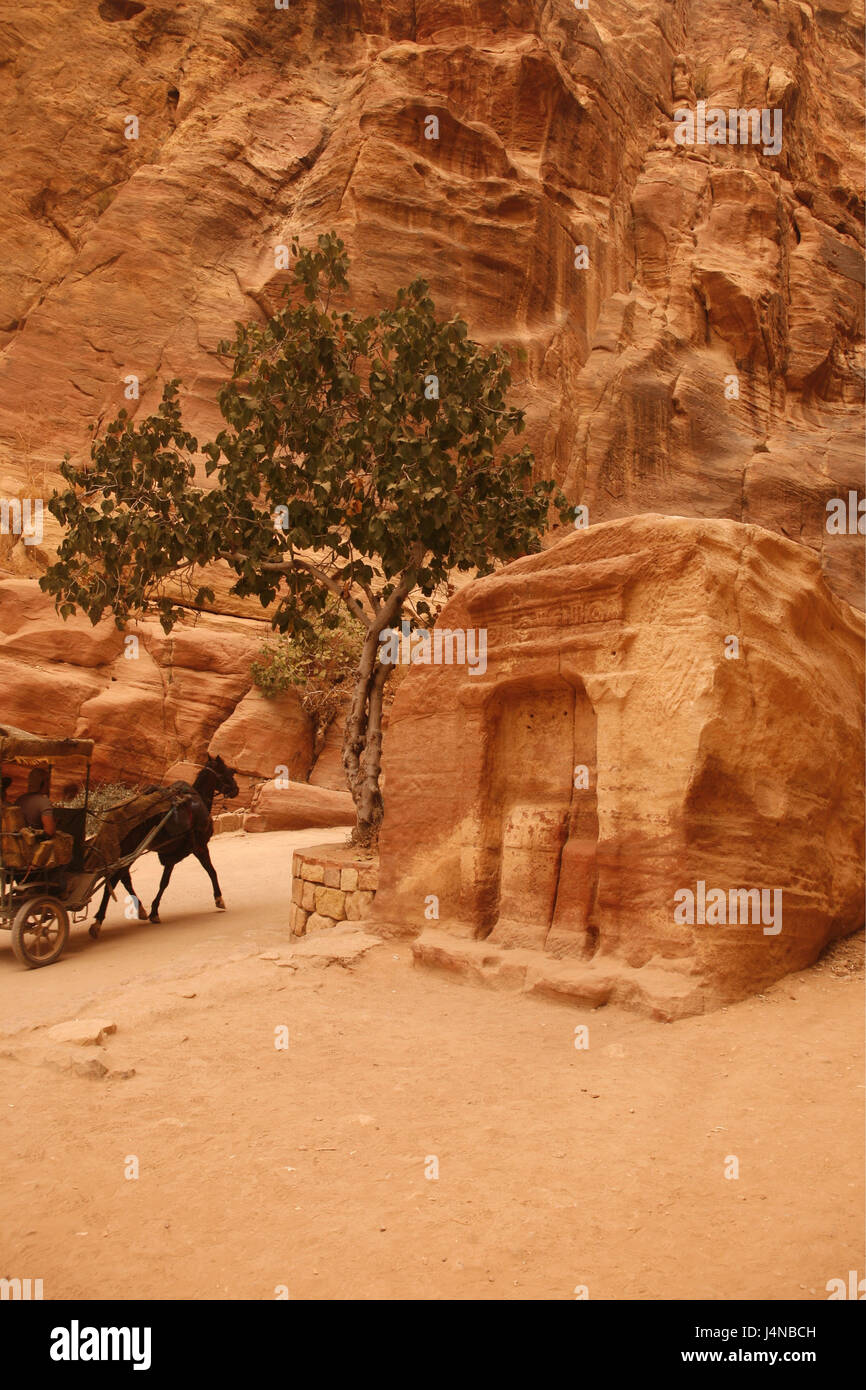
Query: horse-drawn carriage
point(46, 879)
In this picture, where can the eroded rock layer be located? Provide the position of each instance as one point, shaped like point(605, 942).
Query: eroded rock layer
point(553, 130)
point(156, 705)
point(650, 790)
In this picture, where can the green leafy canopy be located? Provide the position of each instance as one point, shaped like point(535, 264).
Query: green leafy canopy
point(327, 418)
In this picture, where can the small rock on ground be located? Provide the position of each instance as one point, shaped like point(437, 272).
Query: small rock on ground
point(343, 946)
point(82, 1031)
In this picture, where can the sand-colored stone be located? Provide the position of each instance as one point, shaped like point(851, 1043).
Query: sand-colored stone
point(313, 873)
point(330, 902)
point(353, 907)
point(358, 905)
point(82, 1031)
point(317, 921)
point(612, 755)
point(336, 856)
point(328, 768)
point(156, 713)
point(148, 711)
point(297, 920)
point(267, 737)
point(299, 805)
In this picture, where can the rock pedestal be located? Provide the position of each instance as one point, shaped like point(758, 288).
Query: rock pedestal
point(331, 884)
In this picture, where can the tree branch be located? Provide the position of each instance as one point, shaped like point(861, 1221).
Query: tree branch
point(286, 566)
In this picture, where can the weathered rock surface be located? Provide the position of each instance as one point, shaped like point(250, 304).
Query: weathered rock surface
point(669, 707)
point(555, 130)
point(267, 737)
point(149, 702)
point(298, 805)
point(328, 770)
point(155, 705)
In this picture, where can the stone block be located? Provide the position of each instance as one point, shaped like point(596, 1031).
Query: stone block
point(318, 922)
point(353, 907)
point(330, 902)
point(298, 920)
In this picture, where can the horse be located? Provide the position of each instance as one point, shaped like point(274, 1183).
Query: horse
point(178, 824)
point(215, 778)
point(188, 831)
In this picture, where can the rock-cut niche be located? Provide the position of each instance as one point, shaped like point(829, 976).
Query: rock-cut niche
point(537, 874)
point(117, 11)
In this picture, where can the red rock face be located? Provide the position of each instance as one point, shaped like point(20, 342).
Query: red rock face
point(150, 701)
point(555, 131)
point(259, 730)
point(703, 358)
point(667, 708)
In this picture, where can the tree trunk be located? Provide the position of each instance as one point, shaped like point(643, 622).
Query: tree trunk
point(362, 752)
point(362, 740)
point(370, 805)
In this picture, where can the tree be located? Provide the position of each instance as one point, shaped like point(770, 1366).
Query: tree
point(318, 665)
point(360, 465)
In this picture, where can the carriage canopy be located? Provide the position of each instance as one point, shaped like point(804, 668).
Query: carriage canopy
point(17, 746)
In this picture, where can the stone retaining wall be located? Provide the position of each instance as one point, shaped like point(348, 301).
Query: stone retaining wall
point(331, 884)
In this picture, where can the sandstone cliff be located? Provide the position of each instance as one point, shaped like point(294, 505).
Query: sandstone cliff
point(155, 705)
point(704, 265)
point(132, 257)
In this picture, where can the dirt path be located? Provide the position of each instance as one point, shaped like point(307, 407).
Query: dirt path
point(305, 1167)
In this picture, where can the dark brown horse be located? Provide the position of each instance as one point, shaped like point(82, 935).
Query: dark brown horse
point(215, 779)
point(187, 831)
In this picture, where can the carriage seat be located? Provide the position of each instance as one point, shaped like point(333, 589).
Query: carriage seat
point(23, 848)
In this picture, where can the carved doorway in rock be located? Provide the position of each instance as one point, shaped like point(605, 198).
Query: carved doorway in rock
point(536, 736)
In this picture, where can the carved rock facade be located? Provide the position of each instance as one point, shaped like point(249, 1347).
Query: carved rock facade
point(669, 707)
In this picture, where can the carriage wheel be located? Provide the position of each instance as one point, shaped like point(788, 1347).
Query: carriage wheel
point(40, 930)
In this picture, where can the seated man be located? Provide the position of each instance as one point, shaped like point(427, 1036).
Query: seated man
point(35, 803)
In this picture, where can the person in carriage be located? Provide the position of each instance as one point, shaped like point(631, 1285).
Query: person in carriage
point(35, 803)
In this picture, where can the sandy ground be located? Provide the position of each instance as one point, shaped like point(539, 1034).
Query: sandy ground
point(307, 1167)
